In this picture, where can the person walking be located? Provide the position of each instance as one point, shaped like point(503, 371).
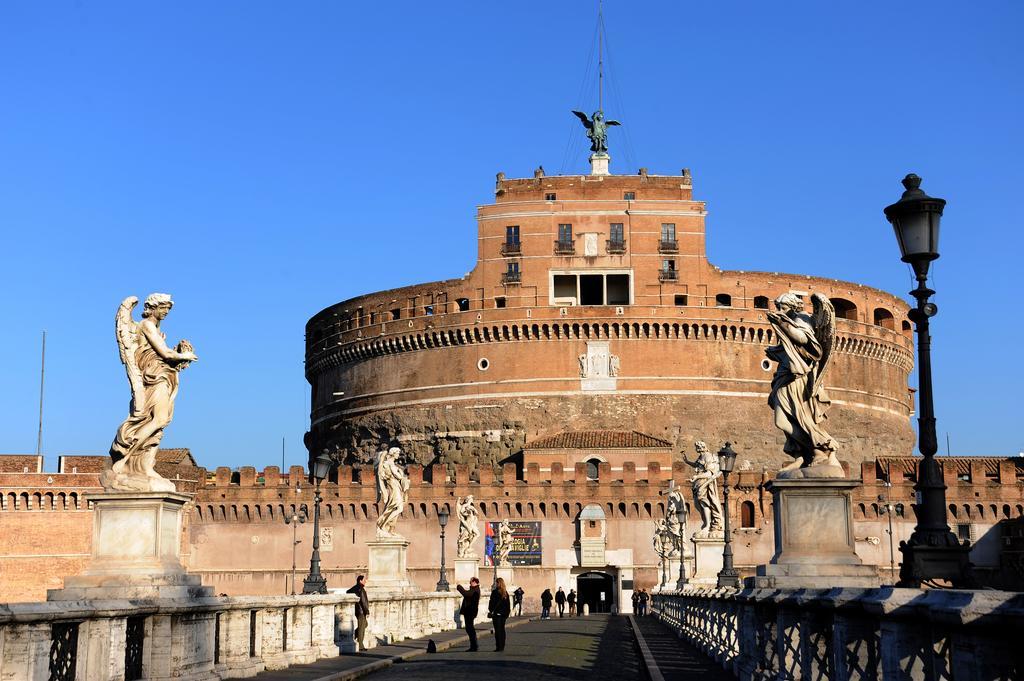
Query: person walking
point(560, 600)
point(469, 609)
point(571, 600)
point(644, 597)
point(545, 604)
point(517, 600)
point(498, 609)
point(362, 609)
point(636, 602)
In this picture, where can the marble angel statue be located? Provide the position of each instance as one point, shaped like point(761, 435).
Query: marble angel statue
point(798, 396)
point(152, 369)
point(468, 530)
point(705, 491)
point(392, 489)
point(675, 520)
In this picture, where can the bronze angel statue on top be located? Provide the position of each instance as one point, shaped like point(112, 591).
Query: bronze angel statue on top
point(152, 369)
point(597, 130)
point(798, 395)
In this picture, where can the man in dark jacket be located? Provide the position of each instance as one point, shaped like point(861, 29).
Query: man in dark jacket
point(362, 609)
point(560, 599)
point(469, 609)
point(517, 600)
point(545, 604)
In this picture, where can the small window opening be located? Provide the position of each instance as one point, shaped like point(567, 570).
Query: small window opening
point(747, 514)
point(550, 196)
point(396, 313)
point(681, 300)
point(723, 300)
point(463, 304)
point(592, 470)
point(428, 309)
point(499, 302)
point(761, 302)
point(629, 196)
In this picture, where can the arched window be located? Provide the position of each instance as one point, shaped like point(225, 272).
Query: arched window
point(844, 308)
point(592, 469)
point(723, 300)
point(884, 318)
point(747, 514)
point(761, 302)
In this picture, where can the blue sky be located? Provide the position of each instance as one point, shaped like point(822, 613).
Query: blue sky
point(262, 160)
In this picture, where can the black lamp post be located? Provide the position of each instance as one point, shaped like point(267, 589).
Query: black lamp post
point(728, 577)
point(442, 518)
point(933, 552)
point(316, 583)
point(295, 519)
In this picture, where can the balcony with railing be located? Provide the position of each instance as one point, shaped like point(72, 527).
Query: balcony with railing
point(509, 248)
point(668, 275)
point(563, 247)
point(615, 246)
point(668, 246)
point(511, 277)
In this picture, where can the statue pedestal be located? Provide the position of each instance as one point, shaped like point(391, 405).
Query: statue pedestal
point(505, 572)
point(466, 569)
point(387, 568)
point(136, 550)
point(599, 163)
point(814, 540)
point(707, 560)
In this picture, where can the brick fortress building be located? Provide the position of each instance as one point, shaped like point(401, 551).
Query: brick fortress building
point(558, 383)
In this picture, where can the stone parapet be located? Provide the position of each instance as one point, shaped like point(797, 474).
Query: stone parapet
point(203, 638)
point(851, 633)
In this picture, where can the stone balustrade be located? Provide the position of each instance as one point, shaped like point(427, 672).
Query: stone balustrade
point(851, 634)
point(204, 638)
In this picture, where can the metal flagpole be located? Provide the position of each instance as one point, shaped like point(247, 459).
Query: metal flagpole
point(42, 375)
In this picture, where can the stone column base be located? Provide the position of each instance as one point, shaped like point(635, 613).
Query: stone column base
point(466, 569)
point(136, 550)
point(599, 163)
point(388, 566)
point(707, 560)
point(814, 540)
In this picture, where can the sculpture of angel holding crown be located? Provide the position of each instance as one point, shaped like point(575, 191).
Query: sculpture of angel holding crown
point(798, 396)
point(152, 369)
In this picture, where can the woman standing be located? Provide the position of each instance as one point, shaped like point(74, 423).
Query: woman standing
point(498, 609)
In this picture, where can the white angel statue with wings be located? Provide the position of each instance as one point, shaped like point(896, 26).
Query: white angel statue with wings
point(798, 395)
point(152, 369)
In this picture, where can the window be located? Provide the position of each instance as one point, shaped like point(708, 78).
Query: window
point(884, 318)
point(499, 302)
point(963, 531)
point(512, 268)
point(668, 231)
point(428, 309)
point(550, 196)
point(761, 302)
point(723, 300)
point(747, 514)
point(565, 234)
point(512, 234)
point(585, 288)
point(681, 300)
point(668, 265)
point(593, 471)
point(616, 234)
point(591, 289)
point(844, 308)
point(617, 286)
point(396, 313)
point(629, 196)
point(463, 304)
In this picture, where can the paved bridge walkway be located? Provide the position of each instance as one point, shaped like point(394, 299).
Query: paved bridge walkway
point(594, 648)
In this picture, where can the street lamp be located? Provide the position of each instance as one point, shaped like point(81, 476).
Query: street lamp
point(933, 552)
point(316, 583)
point(295, 519)
point(442, 518)
point(729, 577)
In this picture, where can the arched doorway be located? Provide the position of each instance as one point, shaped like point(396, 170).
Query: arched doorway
point(596, 590)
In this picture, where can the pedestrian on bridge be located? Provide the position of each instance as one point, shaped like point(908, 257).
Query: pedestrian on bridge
point(362, 609)
point(571, 600)
point(469, 609)
point(545, 604)
point(498, 609)
point(560, 600)
point(517, 600)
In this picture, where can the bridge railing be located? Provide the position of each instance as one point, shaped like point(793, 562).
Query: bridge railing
point(846, 634)
point(208, 638)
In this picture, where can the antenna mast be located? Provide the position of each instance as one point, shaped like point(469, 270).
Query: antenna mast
point(600, 55)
